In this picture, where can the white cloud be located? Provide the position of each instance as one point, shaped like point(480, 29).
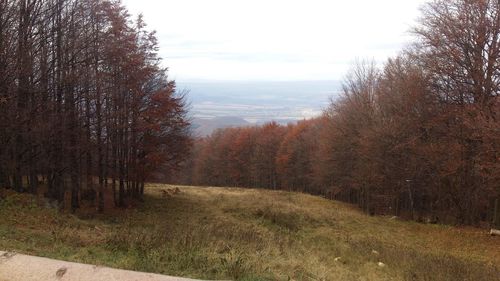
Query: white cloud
point(275, 39)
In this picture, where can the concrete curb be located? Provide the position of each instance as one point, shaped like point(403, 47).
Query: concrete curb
point(17, 267)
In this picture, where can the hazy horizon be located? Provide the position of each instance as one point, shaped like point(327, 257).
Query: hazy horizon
point(225, 40)
point(236, 59)
point(259, 102)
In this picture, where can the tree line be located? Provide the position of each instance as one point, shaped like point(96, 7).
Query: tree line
point(418, 137)
point(86, 109)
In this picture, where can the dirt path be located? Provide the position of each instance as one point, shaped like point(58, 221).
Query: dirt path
point(17, 267)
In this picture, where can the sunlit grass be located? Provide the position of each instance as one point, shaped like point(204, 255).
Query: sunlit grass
point(218, 233)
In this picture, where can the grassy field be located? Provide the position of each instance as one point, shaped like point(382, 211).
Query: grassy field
point(241, 234)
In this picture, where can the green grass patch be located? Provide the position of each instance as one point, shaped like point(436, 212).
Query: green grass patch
point(241, 234)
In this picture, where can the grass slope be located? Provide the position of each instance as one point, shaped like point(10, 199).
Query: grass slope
point(242, 234)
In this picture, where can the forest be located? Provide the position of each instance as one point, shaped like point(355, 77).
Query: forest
point(87, 112)
point(397, 178)
point(417, 137)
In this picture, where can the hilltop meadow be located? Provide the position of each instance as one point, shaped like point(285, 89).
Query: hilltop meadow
point(248, 234)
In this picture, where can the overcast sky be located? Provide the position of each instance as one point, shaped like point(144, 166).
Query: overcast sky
point(275, 40)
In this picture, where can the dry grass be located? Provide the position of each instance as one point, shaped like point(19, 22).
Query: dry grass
point(219, 233)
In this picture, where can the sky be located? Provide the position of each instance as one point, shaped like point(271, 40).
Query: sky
point(275, 40)
point(263, 60)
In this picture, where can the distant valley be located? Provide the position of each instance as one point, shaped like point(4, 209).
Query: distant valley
point(225, 104)
point(204, 127)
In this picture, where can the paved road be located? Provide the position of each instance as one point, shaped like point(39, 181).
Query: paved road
point(17, 267)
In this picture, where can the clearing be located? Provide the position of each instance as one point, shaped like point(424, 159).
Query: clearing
point(246, 234)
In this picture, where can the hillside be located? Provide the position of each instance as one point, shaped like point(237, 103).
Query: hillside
point(243, 234)
point(205, 127)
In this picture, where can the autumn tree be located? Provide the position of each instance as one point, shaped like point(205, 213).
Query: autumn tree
point(263, 163)
point(295, 157)
point(85, 102)
point(459, 47)
point(417, 137)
